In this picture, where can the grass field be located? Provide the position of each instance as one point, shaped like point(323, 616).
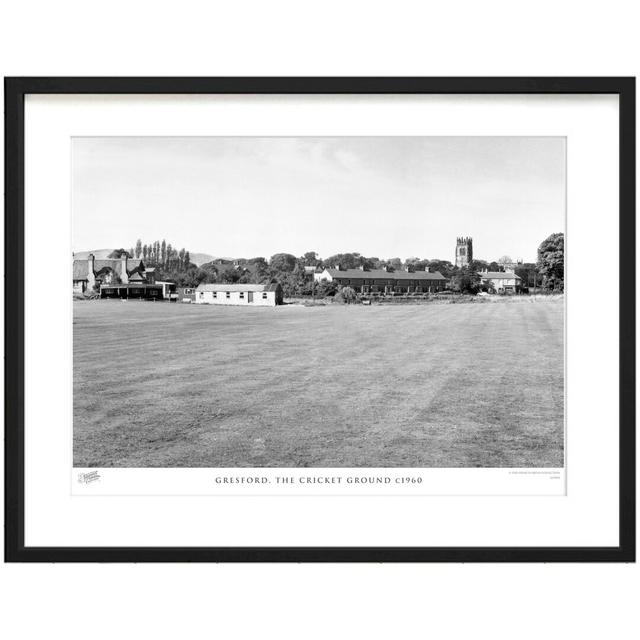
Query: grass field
point(434, 385)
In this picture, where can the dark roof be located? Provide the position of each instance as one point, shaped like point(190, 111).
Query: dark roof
point(81, 267)
point(114, 265)
point(130, 285)
point(381, 274)
point(238, 287)
point(496, 275)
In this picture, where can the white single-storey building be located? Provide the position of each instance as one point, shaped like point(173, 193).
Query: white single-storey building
point(255, 295)
point(500, 280)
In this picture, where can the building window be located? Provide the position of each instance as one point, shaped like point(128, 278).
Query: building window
point(228, 294)
point(264, 295)
point(242, 295)
point(215, 294)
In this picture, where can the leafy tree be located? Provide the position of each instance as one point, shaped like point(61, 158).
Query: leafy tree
point(207, 273)
point(478, 265)
point(169, 254)
point(324, 288)
point(229, 275)
point(118, 253)
point(528, 273)
point(466, 280)
point(310, 258)
point(172, 265)
point(349, 261)
point(257, 271)
point(347, 295)
point(443, 266)
point(551, 262)
point(484, 286)
point(282, 262)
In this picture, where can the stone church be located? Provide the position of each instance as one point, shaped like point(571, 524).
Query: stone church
point(464, 252)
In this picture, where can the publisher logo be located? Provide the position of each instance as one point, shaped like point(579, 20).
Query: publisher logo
point(87, 478)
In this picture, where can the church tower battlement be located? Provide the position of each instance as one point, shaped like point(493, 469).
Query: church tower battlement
point(464, 252)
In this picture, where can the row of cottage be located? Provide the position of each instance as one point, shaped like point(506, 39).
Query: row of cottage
point(129, 278)
point(408, 281)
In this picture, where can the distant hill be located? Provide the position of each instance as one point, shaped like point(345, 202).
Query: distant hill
point(100, 254)
point(200, 258)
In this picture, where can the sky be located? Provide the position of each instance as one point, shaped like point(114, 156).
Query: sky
point(383, 197)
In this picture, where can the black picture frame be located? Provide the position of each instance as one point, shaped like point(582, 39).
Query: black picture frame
point(15, 91)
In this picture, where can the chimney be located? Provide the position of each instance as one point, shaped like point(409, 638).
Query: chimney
point(337, 267)
point(124, 275)
point(361, 267)
point(91, 272)
point(426, 268)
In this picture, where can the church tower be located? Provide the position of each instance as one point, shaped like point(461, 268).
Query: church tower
point(464, 251)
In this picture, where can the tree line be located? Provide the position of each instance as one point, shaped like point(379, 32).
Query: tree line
point(171, 264)
point(161, 254)
point(293, 272)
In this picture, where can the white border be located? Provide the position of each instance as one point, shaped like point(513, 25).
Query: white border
point(370, 481)
point(586, 516)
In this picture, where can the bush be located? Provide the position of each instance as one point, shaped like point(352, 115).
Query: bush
point(324, 289)
point(346, 295)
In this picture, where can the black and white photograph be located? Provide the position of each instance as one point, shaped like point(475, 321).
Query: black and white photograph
point(323, 302)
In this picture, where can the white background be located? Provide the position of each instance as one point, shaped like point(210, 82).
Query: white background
point(587, 516)
point(454, 38)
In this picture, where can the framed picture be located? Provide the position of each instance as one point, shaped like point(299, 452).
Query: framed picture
point(320, 319)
